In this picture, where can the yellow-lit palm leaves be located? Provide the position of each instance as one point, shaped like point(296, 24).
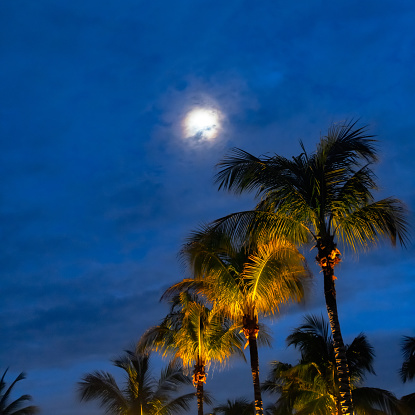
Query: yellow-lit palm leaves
point(196, 335)
point(244, 281)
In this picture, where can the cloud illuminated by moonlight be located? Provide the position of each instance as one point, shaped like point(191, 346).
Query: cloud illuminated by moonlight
point(202, 124)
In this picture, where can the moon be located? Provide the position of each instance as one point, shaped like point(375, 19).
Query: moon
point(202, 124)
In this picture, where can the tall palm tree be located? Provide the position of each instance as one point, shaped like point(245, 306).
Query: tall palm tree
point(311, 386)
point(15, 407)
point(245, 281)
point(323, 197)
point(142, 393)
point(195, 335)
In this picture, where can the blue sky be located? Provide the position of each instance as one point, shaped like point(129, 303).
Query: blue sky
point(100, 187)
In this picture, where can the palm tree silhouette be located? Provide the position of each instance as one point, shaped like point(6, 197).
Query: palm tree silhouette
point(311, 386)
point(142, 393)
point(239, 406)
point(318, 197)
point(15, 407)
point(407, 371)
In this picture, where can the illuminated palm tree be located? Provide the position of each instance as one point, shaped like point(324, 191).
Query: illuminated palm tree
point(195, 335)
point(311, 386)
point(320, 197)
point(246, 281)
point(142, 393)
point(15, 407)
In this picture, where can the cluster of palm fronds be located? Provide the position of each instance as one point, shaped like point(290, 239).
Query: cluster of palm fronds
point(8, 406)
point(247, 265)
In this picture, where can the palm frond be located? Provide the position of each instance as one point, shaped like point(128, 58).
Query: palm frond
point(360, 355)
point(103, 387)
point(367, 400)
point(179, 404)
point(344, 144)
point(370, 223)
point(240, 171)
point(407, 371)
point(240, 406)
point(14, 407)
point(141, 392)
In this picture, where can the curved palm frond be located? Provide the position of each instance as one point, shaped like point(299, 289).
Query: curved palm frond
point(191, 331)
point(367, 400)
point(407, 370)
point(369, 223)
point(14, 407)
point(141, 392)
point(360, 355)
point(103, 387)
point(239, 406)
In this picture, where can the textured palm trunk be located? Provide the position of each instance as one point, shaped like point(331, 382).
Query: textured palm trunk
point(199, 378)
point(250, 328)
point(328, 258)
point(199, 396)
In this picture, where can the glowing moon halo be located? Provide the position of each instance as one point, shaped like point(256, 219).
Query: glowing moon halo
point(202, 124)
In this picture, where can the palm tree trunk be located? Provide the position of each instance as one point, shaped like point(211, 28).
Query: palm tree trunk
point(199, 378)
point(328, 258)
point(251, 332)
point(199, 396)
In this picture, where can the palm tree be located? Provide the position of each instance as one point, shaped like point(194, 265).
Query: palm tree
point(311, 386)
point(15, 407)
point(142, 393)
point(245, 281)
point(239, 406)
point(407, 371)
point(323, 197)
point(195, 335)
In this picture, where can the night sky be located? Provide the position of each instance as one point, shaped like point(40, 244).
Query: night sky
point(100, 185)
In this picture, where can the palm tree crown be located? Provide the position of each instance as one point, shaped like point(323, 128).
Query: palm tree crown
point(14, 407)
point(325, 194)
point(195, 335)
point(142, 393)
point(245, 280)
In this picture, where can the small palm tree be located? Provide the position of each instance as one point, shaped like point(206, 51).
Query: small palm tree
point(311, 386)
point(195, 335)
point(14, 407)
point(142, 393)
point(239, 406)
point(320, 197)
point(246, 281)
